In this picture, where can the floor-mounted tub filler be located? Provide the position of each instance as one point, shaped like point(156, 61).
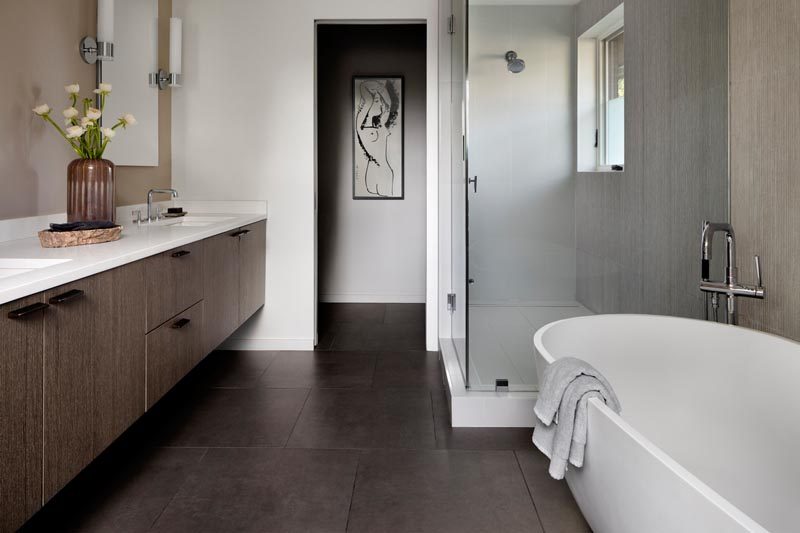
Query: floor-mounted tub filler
point(708, 434)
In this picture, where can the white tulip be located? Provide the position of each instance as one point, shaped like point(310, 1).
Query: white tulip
point(108, 132)
point(86, 122)
point(93, 113)
point(72, 89)
point(103, 88)
point(42, 110)
point(75, 131)
point(70, 112)
point(128, 119)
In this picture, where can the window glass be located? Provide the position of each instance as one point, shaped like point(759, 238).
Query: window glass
point(615, 99)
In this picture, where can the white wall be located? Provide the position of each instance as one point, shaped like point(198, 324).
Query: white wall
point(521, 147)
point(370, 250)
point(243, 129)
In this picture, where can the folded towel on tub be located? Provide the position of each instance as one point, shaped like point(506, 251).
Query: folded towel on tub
point(562, 411)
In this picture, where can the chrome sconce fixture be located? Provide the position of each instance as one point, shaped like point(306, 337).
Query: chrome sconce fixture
point(515, 65)
point(101, 49)
point(163, 79)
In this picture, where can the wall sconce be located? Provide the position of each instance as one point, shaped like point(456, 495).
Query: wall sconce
point(102, 48)
point(163, 79)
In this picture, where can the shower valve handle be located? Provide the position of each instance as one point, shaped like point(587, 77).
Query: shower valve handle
point(474, 182)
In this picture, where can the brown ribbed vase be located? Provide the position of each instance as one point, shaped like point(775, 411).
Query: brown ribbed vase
point(90, 190)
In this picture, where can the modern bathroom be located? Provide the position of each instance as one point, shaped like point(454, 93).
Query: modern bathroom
point(399, 266)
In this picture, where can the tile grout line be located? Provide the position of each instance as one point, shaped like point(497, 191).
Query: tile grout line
point(353, 492)
point(175, 495)
point(296, 420)
point(528, 488)
point(266, 369)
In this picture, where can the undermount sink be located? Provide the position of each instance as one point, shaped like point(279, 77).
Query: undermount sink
point(196, 221)
point(16, 266)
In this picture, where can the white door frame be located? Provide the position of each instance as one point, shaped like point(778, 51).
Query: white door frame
point(432, 171)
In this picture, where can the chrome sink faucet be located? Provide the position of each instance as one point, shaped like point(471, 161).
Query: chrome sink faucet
point(150, 194)
point(730, 287)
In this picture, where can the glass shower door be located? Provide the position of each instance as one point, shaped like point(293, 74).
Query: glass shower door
point(517, 186)
point(459, 244)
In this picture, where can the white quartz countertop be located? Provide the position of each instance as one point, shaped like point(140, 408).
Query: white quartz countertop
point(18, 280)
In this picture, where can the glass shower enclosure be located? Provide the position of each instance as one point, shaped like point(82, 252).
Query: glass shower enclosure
point(513, 171)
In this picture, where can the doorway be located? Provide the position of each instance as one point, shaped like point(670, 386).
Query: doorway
point(371, 248)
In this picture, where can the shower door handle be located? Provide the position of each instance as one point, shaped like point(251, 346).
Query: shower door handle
point(474, 182)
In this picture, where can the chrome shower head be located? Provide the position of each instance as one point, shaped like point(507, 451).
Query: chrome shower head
point(515, 64)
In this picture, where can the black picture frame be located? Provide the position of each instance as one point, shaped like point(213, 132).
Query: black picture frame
point(356, 141)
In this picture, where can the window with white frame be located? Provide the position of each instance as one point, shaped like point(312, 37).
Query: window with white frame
point(611, 134)
point(601, 95)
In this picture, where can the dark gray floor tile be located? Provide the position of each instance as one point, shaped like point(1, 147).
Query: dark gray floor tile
point(353, 313)
point(264, 490)
point(338, 418)
point(448, 437)
point(124, 494)
point(557, 508)
point(326, 338)
point(405, 314)
point(231, 417)
point(320, 370)
point(232, 369)
point(441, 491)
point(380, 337)
point(420, 370)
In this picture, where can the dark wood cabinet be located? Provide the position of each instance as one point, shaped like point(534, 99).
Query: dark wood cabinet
point(234, 273)
point(119, 368)
point(94, 361)
point(173, 349)
point(83, 361)
point(174, 282)
point(220, 288)
point(252, 269)
point(21, 333)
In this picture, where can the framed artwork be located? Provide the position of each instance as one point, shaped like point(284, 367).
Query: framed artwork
point(378, 138)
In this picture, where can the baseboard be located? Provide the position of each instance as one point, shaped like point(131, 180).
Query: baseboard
point(289, 345)
point(368, 298)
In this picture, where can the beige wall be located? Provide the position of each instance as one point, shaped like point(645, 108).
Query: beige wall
point(765, 159)
point(638, 231)
point(39, 39)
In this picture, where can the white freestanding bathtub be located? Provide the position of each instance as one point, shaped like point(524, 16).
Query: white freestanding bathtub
point(709, 435)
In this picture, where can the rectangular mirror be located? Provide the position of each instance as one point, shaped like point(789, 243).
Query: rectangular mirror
point(135, 58)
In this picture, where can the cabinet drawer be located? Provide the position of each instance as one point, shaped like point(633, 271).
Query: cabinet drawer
point(173, 349)
point(174, 282)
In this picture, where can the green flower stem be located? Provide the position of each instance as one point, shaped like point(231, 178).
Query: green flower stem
point(72, 144)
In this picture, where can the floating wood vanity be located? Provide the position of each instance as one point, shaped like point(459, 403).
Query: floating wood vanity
point(82, 361)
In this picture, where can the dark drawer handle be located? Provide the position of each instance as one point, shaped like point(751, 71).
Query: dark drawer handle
point(180, 324)
point(182, 253)
point(27, 310)
point(240, 233)
point(67, 296)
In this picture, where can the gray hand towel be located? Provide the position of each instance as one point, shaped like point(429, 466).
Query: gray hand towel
point(567, 386)
point(555, 381)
